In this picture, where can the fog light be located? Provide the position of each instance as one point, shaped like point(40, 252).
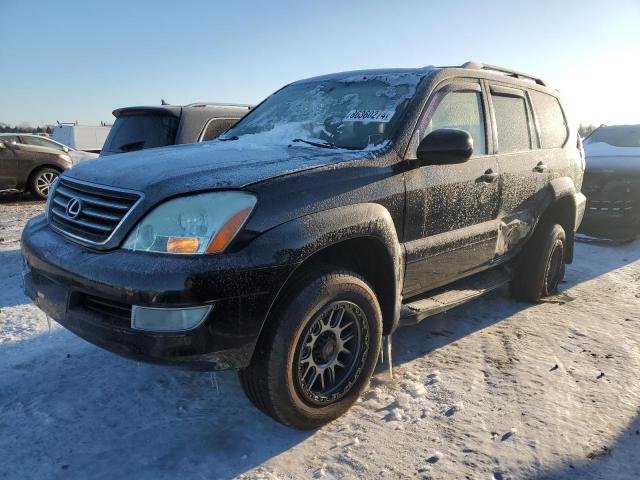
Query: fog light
point(167, 319)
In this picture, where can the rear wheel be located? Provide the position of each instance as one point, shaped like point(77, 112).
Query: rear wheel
point(318, 352)
point(41, 182)
point(542, 264)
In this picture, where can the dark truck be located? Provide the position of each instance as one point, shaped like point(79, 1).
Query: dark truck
point(341, 208)
point(139, 128)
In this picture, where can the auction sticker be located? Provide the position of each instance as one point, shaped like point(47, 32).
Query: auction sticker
point(365, 116)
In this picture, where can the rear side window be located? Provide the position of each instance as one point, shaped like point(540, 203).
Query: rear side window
point(511, 122)
point(42, 142)
point(553, 127)
point(137, 132)
point(461, 110)
point(217, 126)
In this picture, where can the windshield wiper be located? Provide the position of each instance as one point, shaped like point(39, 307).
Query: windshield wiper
point(235, 137)
point(322, 145)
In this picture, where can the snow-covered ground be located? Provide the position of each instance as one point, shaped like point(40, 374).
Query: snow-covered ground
point(492, 390)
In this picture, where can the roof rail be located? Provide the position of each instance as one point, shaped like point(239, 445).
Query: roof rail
point(506, 71)
point(214, 104)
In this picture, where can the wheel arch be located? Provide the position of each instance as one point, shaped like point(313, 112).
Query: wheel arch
point(42, 166)
point(373, 262)
point(561, 208)
point(331, 237)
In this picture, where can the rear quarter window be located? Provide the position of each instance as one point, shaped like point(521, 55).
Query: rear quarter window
point(511, 122)
point(551, 120)
point(217, 126)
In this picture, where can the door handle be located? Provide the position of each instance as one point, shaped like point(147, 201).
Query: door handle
point(488, 176)
point(540, 167)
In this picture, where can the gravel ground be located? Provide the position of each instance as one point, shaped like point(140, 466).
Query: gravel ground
point(492, 390)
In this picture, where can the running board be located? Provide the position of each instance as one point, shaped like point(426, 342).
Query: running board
point(457, 293)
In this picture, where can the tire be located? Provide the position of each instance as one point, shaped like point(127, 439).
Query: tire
point(541, 267)
point(41, 181)
point(308, 328)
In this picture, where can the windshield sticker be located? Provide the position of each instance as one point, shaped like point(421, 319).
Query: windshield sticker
point(382, 116)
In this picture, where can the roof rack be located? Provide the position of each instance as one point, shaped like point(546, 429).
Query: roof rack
point(214, 104)
point(505, 71)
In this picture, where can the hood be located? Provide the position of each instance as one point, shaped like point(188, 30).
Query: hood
point(204, 166)
point(78, 156)
point(602, 157)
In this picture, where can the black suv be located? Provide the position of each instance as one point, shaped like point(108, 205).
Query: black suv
point(340, 208)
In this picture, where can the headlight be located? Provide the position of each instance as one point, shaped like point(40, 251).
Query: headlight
point(203, 223)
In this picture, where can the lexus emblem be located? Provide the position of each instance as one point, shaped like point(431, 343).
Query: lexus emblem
point(74, 207)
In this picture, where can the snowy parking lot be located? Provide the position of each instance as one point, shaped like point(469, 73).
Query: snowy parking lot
point(495, 389)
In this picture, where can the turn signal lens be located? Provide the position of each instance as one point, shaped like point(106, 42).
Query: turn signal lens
point(228, 231)
point(182, 245)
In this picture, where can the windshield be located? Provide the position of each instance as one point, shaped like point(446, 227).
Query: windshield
point(137, 132)
point(619, 136)
point(356, 112)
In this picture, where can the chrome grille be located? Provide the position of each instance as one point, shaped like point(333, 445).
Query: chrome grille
point(611, 194)
point(87, 212)
point(613, 207)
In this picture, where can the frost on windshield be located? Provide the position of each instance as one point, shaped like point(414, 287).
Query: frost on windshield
point(354, 112)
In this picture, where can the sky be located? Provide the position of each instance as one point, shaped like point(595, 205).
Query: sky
point(79, 60)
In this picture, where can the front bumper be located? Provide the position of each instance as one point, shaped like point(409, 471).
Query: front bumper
point(610, 224)
point(91, 293)
point(613, 205)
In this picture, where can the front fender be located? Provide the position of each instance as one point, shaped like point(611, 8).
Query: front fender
point(298, 240)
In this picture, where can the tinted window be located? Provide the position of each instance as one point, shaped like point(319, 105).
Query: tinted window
point(216, 127)
point(137, 132)
point(42, 142)
point(511, 123)
point(553, 128)
point(461, 110)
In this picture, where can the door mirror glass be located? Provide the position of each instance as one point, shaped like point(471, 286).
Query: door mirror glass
point(445, 146)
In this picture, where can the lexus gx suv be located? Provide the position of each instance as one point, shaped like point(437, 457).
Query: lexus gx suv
point(339, 209)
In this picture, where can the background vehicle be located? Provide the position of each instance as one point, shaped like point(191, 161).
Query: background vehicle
point(88, 138)
point(42, 141)
point(612, 182)
point(138, 128)
point(341, 208)
point(29, 162)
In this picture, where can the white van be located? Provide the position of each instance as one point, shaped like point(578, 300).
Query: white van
point(88, 138)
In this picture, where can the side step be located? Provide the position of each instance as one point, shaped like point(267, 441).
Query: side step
point(455, 294)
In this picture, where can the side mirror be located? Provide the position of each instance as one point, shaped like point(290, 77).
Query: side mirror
point(445, 146)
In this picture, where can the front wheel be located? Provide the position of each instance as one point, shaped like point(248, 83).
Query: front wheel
point(41, 182)
point(542, 264)
point(318, 351)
